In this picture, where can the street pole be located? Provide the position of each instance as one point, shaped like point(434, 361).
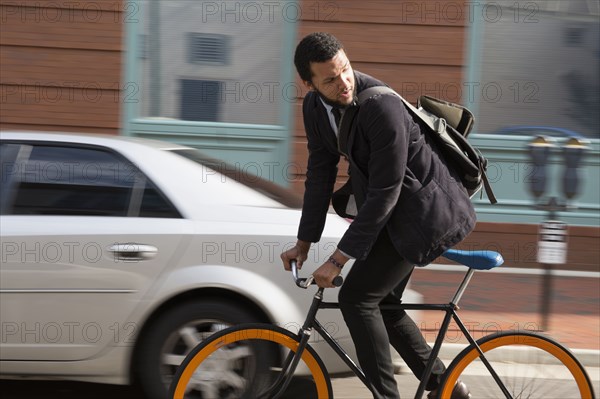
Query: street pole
point(552, 243)
point(548, 235)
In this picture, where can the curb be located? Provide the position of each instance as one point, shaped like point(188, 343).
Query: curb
point(587, 357)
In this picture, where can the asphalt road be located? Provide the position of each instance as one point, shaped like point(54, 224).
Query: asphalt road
point(344, 388)
point(22, 389)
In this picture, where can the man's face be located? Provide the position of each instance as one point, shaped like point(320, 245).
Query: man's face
point(334, 80)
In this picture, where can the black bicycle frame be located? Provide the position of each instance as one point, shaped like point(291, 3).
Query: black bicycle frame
point(450, 313)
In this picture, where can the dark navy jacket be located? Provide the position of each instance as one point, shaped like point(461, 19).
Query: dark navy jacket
point(397, 176)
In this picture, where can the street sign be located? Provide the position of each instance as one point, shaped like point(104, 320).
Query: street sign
point(552, 244)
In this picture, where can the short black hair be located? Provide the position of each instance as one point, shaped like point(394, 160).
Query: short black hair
point(315, 47)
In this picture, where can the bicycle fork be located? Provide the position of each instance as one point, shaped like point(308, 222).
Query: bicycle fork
point(293, 358)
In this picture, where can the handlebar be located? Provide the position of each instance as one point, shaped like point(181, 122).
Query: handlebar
point(307, 282)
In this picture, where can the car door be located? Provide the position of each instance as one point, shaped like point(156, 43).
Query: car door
point(85, 237)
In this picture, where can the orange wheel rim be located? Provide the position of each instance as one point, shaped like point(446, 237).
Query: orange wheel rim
point(252, 334)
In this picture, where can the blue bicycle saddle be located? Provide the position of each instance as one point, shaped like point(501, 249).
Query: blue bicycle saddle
point(479, 260)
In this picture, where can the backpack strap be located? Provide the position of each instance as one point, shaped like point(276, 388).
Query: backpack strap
point(488, 188)
point(350, 113)
point(377, 90)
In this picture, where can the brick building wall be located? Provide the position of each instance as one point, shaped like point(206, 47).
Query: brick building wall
point(61, 65)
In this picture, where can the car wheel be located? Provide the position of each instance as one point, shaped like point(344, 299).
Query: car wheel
point(170, 337)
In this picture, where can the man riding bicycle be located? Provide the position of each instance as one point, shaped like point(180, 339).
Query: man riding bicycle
point(410, 209)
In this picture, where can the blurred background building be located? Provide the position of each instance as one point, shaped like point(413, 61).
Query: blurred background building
point(218, 75)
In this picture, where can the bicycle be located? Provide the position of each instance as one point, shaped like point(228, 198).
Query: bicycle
point(259, 360)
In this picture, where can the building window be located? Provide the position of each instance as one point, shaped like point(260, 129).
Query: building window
point(248, 54)
point(208, 49)
point(574, 36)
point(539, 71)
point(200, 100)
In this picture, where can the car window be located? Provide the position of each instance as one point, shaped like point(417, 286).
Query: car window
point(9, 155)
point(72, 180)
point(275, 192)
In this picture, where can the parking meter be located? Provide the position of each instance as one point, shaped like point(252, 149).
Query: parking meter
point(539, 151)
point(552, 246)
point(573, 152)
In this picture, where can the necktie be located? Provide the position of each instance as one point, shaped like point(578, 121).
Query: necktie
point(337, 116)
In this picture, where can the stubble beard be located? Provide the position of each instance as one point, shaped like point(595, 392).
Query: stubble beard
point(334, 103)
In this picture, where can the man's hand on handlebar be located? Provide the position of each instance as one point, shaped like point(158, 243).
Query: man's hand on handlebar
point(299, 253)
point(324, 276)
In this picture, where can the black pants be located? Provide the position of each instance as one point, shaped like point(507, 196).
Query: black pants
point(379, 279)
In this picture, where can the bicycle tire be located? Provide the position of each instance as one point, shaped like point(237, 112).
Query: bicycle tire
point(256, 338)
point(546, 369)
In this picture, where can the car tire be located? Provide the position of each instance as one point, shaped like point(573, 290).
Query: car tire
point(169, 337)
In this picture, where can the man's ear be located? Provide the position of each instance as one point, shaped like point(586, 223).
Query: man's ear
point(308, 84)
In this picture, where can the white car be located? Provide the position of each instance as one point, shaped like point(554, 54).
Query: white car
point(120, 254)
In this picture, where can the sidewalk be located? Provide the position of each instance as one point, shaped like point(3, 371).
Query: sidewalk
point(505, 301)
point(583, 342)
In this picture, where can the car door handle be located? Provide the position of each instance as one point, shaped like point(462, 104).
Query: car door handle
point(133, 252)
